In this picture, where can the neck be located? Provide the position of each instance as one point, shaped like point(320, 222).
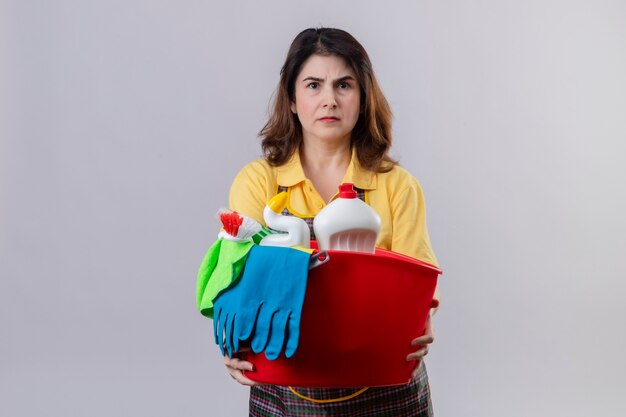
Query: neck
point(320, 157)
point(325, 165)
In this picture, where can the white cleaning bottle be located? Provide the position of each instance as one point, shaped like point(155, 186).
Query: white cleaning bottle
point(347, 223)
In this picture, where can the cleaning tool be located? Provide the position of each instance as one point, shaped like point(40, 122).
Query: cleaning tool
point(221, 266)
point(298, 232)
point(264, 306)
point(237, 227)
point(347, 223)
point(360, 314)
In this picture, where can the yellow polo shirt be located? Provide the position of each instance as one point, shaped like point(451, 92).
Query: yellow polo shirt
point(395, 195)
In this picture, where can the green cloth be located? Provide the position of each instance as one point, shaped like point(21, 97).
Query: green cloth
point(220, 268)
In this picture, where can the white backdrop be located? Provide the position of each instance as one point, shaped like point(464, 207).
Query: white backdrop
point(122, 124)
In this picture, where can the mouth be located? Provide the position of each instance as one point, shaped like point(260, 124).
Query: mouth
point(328, 119)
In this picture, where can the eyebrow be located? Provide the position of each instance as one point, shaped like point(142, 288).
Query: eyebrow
point(320, 80)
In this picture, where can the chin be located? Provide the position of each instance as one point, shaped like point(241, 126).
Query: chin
point(330, 135)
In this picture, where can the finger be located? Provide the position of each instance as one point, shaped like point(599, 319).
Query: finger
point(262, 330)
point(236, 336)
point(242, 379)
point(229, 333)
point(422, 340)
point(238, 375)
point(236, 368)
point(277, 335)
point(293, 335)
point(238, 364)
point(245, 326)
point(221, 331)
point(417, 355)
point(216, 325)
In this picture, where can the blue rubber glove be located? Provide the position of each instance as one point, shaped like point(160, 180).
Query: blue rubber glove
point(264, 307)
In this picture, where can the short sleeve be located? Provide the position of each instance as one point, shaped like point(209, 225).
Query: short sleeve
point(409, 231)
point(249, 191)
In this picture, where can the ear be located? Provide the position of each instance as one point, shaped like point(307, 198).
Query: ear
point(293, 107)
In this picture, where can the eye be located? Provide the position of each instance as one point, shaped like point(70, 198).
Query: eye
point(313, 85)
point(343, 86)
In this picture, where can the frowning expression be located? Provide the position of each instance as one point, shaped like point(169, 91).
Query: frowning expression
point(327, 99)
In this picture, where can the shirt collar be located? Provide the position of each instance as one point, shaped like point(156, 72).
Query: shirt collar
point(291, 173)
point(359, 176)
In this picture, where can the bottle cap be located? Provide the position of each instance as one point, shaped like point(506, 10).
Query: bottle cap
point(346, 191)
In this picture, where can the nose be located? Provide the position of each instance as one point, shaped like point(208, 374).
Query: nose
point(331, 104)
point(330, 101)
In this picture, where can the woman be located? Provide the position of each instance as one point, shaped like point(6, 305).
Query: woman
point(331, 124)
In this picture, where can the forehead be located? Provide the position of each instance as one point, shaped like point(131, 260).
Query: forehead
point(324, 66)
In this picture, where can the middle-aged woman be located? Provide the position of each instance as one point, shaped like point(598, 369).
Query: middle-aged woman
point(331, 124)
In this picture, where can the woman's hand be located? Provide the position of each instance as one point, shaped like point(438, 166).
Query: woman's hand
point(421, 343)
point(235, 367)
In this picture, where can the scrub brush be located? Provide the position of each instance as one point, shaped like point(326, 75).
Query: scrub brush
point(239, 228)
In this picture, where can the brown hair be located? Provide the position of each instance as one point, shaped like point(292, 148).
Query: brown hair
point(371, 136)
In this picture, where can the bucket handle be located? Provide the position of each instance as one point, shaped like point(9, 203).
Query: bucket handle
point(332, 400)
point(319, 258)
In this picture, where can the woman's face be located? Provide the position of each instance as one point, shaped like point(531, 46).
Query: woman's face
point(327, 99)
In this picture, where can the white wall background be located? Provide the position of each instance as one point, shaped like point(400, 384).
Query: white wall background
point(122, 124)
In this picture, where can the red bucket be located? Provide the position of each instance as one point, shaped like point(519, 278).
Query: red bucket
point(360, 313)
